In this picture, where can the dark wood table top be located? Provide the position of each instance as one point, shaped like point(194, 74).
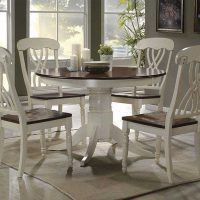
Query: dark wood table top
point(116, 73)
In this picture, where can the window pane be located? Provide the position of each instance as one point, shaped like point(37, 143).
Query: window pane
point(113, 6)
point(70, 31)
point(43, 25)
point(3, 4)
point(71, 5)
point(3, 32)
point(114, 35)
point(42, 5)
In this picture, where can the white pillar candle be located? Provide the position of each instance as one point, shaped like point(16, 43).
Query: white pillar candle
point(74, 62)
point(86, 55)
point(76, 50)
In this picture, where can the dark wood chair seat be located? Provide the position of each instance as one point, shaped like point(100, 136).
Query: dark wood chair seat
point(138, 95)
point(37, 115)
point(48, 96)
point(157, 119)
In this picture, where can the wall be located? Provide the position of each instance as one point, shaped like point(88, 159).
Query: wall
point(188, 38)
point(20, 32)
point(95, 28)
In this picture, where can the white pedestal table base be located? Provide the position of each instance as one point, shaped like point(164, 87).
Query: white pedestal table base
point(100, 126)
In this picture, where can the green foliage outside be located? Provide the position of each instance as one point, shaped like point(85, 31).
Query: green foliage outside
point(132, 21)
point(105, 50)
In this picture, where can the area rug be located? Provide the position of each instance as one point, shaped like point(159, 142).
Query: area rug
point(103, 179)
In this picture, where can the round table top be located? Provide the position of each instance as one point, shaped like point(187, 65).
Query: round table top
point(115, 74)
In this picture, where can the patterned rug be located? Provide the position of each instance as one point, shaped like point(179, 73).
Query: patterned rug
point(103, 179)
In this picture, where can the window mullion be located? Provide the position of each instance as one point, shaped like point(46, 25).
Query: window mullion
point(57, 20)
point(85, 24)
point(8, 24)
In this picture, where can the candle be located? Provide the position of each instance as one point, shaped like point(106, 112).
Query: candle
point(76, 50)
point(86, 55)
point(74, 62)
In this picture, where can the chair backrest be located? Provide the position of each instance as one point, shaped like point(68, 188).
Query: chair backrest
point(123, 62)
point(9, 100)
point(157, 51)
point(38, 52)
point(186, 103)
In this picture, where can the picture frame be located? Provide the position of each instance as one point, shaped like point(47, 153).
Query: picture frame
point(197, 16)
point(170, 16)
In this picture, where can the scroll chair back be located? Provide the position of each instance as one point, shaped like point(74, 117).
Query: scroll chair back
point(13, 115)
point(9, 101)
point(39, 51)
point(157, 53)
point(180, 119)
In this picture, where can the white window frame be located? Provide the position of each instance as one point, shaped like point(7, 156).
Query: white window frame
point(87, 18)
point(10, 24)
point(10, 16)
point(103, 25)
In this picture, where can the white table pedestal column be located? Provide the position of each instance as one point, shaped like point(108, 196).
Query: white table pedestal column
point(100, 113)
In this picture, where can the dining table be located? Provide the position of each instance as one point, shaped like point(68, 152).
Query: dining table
point(99, 126)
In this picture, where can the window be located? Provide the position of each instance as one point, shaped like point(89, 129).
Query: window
point(133, 24)
point(112, 33)
point(5, 24)
point(63, 20)
point(6, 30)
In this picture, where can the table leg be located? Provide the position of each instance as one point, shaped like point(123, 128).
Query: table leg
point(91, 147)
point(79, 136)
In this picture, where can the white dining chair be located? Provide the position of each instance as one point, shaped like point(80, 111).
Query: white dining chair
point(14, 117)
point(180, 118)
point(157, 53)
point(38, 52)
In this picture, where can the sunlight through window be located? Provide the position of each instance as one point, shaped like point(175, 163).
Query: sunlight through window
point(63, 20)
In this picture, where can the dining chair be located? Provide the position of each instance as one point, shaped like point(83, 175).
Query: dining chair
point(13, 116)
point(182, 116)
point(157, 53)
point(39, 51)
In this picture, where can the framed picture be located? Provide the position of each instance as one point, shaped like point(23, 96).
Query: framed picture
point(197, 16)
point(170, 15)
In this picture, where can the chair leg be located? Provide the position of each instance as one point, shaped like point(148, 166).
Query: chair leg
point(135, 111)
point(23, 152)
point(125, 131)
point(69, 144)
point(168, 158)
point(158, 147)
point(1, 143)
point(43, 143)
point(30, 104)
point(48, 106)
point(59, 128)
point(57, 135)
point(82, 110)
point(197, 149)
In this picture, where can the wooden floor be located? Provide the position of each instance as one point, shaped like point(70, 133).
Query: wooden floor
point(29, 188)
